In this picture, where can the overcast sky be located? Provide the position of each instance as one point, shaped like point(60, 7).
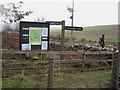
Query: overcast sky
point(87, 12)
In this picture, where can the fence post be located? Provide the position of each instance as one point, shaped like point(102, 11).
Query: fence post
point(62, 38)
point(51, 73)
point(118, 72)
point(83, 64)
point(113, 76)
point(83, 58)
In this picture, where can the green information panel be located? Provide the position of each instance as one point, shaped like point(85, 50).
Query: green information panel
point(35, 36)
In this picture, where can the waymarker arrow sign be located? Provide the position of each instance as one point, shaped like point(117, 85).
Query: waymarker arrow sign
point(73, 28)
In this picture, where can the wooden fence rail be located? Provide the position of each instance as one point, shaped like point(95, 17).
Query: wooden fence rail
point(57, 66)
point(54, 52)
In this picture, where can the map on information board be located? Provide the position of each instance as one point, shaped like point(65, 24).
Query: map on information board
point(35, 36)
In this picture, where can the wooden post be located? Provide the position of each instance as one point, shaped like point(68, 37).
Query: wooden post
point(113, 76)
point(62, 38)
point(83, 64)
point(63, 35)
point(51, 73)
point(118, 71)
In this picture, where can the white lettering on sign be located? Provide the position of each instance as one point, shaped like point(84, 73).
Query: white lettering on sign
point(73, 28)
point(25, 35)
point(25, 28)
point(44, 38)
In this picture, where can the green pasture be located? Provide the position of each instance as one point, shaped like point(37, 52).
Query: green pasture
point(97, 79)
point(92, 33)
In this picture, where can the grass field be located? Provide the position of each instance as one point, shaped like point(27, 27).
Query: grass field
point(92, 33)
point(97, 79)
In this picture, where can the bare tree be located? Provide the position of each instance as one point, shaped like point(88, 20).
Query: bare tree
point(11, 12)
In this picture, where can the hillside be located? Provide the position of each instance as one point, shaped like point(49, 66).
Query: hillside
point(11, 40)
point(92, 33)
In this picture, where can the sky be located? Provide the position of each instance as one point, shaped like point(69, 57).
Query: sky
point(87, 12)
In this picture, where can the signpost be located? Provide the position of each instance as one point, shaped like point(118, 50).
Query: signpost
point(62, 35)
point(34, 35)
point(73, 28)
point(54, 22)
point(63, 30)
point(62, 38)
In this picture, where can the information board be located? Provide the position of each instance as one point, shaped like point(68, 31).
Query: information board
point(34, 35)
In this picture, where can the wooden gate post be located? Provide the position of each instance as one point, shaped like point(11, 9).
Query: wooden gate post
point(113, 76)
point(51, 73)
point(118, 71)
